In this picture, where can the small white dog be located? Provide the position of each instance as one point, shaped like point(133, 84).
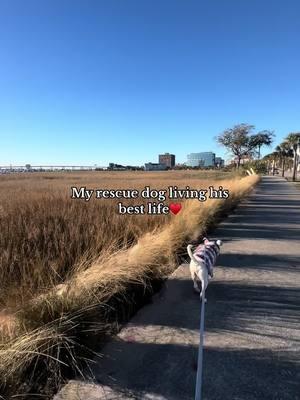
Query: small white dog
point(202, 262)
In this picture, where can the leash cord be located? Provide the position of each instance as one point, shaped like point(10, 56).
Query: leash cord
point(198, 392)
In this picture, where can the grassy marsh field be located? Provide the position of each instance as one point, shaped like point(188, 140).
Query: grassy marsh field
point(67, 266)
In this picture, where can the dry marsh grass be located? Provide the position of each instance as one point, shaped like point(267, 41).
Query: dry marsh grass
point(44, 233)
point(64, 260)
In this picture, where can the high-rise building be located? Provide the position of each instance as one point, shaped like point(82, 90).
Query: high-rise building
point(167, 159)
point(204, 159)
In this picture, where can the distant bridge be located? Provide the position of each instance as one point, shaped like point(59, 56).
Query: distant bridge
point(34, 168)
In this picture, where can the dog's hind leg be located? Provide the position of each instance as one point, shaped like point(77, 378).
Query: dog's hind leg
point(196, 286)
point(210, 271)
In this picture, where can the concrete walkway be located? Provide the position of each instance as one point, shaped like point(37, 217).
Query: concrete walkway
point(252, 318)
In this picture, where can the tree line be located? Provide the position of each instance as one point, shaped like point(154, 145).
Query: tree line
point(242, 141)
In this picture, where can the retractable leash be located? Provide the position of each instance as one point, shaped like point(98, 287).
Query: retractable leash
point(198, 392)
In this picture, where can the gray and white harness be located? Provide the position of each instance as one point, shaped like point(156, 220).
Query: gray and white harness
point(207, 253)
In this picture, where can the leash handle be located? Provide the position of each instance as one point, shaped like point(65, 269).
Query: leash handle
point(198, 391)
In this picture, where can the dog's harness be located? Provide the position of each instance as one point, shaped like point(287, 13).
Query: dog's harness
point(208, 253)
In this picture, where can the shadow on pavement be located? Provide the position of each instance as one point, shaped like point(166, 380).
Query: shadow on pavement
point(169, 373)
point(249, 308)
point(260, 262)
point(252, 328)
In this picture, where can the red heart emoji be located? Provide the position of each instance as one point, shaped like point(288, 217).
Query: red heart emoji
point(175, 208)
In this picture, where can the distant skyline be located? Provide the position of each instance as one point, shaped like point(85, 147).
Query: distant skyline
point(92, 82)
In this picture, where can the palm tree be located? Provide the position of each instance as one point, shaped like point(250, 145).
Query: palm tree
point(285, 153)
point(293, 141)
point(272, 159)
point(263, 138)
point(267, 159)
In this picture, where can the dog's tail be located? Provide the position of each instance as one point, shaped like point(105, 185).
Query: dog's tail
point(190, 253)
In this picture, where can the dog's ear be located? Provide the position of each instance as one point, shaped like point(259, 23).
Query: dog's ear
point(219, 242)
point(208, 242)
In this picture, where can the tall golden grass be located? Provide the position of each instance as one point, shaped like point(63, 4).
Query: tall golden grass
point(44, 233)
point(63, 259)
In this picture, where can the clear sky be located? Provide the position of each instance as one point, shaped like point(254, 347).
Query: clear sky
point(94, 81)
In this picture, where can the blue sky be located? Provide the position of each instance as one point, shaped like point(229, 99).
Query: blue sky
point(94, 81)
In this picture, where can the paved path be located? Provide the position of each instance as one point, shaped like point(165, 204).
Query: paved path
point(252, 318)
